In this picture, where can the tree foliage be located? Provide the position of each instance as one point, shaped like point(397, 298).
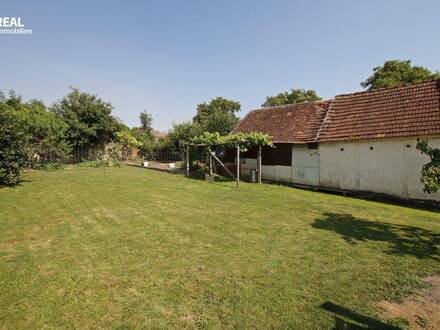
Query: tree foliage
point(395, 73)
point(292, 97)
point(182, 133)
point(128, 142)
point(218, 115)
point(14, 144)
point(47, 133)
point(146, 122)
point(29, 135)
point(219, 122)
point(219, 104)
point(88, 118)
point(430, 171)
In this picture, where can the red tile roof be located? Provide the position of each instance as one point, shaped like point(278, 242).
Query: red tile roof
point(293, 123)
point(410, 110)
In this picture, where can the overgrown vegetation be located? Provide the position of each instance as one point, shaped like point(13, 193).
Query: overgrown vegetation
point(90, 124)
point(100, 163)
point(29, 136)
point(430, 171)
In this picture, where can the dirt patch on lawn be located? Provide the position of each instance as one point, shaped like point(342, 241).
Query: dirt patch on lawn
point(422, 310)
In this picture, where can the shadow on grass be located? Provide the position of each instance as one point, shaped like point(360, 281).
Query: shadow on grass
point(219, 180)
point(348, 319)
point(19, 184)
point(403, 240)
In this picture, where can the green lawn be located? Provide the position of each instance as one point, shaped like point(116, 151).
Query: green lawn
point(129, 247)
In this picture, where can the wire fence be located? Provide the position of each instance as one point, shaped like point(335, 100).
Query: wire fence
point(165, 156)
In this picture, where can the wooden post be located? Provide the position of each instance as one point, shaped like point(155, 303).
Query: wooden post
point(238, 164)
point(210, 161)
point(187, 160)
point(259, 164)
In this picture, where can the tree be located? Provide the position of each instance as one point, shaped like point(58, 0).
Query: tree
point(146, 121)
point(89, 121)
point(14, 143)
point(182, 133)
point(29, 135)
point(218, 115)
point(219, 104)
point(292, 97)
point(430, 171)
point(128, 143)
point(144, 133)
point(395, 73)
point(47, 133)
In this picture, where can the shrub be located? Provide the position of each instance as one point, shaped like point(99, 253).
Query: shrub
point(100, 163)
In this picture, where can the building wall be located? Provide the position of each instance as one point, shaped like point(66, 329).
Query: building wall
point(268, 172)
point(305, 165)
point(384, 166)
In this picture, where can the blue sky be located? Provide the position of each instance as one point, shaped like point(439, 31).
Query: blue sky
point(168, 56)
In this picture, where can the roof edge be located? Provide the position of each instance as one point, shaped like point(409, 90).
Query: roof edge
point(406, 85)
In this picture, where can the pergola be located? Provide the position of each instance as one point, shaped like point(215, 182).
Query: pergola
point(212, 157)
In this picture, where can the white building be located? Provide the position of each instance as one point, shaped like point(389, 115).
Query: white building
point(362, 141)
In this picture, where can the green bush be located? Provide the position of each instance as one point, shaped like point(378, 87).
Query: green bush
point(100, 163)
point(48, 166)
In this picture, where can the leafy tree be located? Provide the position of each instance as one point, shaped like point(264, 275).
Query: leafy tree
point(89, 120)
point(292, 97)
point(219, 104)
point(395, 73)
point(47, 133)
point(219, 122)
point(430, 171)
point(144, 133)
point(218, 115)
point(30, 135)
point(146, 121)
point(128, 142)
point(14, 144)
point(182, 133)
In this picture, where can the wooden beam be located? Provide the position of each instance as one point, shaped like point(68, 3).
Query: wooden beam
point(187, 160)
point(259, 164)
point(238, 165)
point(210, 161)
point(223, 165)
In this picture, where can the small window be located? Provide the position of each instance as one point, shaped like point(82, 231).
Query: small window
point(312, 145)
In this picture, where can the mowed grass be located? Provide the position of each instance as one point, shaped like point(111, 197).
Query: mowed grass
point(131, 248)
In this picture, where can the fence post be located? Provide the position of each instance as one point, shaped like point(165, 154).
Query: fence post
point(210, 161)
point(187, 160)
point(238, 164)
point(259, 164)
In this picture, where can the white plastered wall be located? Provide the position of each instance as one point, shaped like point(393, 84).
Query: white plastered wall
point(268, 172)
point(384, 166)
